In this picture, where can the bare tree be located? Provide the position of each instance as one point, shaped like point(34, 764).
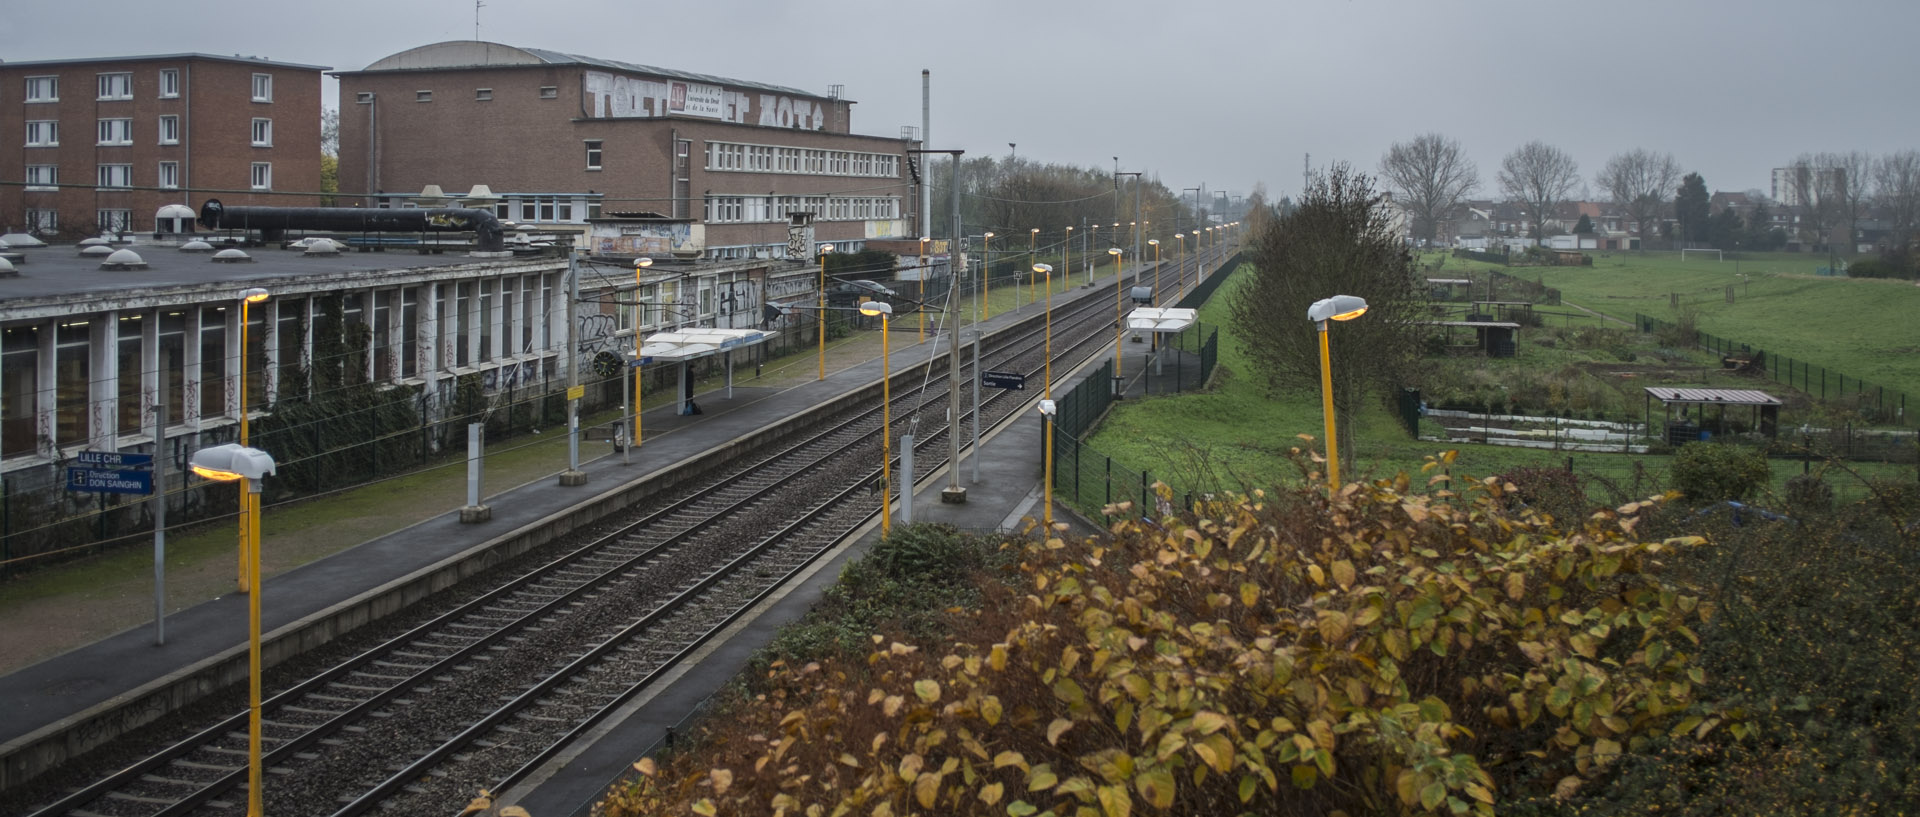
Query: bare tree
point(1896, 191)
point(1538, 175)
point(1818, 193)
point(1429, 176)
point(1639, 182)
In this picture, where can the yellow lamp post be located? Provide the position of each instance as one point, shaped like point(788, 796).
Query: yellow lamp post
point(228, 463)
point(639, 317)
point(1047, 410)
point(1047, 270)
point(1033, 242)
point(248, 297)
point(1196, 257)
point(1066, 264)
point(1155, 244)
point(1179, 260)
point(820, 322)
point(1336, 308)
point(919, 308)
point(885, 311)
point(1119, 308)
point(986, 279)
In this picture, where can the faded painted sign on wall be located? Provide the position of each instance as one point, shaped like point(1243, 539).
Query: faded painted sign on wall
point(613, 238)
point(612, 96)
point(887, 228)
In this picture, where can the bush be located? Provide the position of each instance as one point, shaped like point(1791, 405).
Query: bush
point(1712, 472)
point(1555, 492)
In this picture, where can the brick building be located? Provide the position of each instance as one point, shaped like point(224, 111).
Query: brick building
point(557, 139)
point(104, 143)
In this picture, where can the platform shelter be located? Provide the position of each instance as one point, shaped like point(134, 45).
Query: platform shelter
point(684, 346)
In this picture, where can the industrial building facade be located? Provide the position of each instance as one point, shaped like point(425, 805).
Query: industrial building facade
point(103, 144)
point(557, 139)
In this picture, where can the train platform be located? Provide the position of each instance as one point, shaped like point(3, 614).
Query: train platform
point(1003, 486)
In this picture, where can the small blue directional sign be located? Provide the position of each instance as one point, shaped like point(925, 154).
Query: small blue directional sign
point(109, 481)
point(1004, 380)
point(112, 459)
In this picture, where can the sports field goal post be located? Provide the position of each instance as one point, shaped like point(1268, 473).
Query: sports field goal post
point(1717, 256)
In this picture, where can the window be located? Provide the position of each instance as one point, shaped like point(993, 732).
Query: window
point(116, 86)
point(482, 94)
point(114, 221)
point(170, 130)
point(115, 176)
point(43, 222)
point(262, 175)
point(116, 132)
point(43, 177)
point(263, 133)
point(549, 92)
point(169, 83)
point(423, 96)
point(169, 174)
point(43, 134)
point(43, 89)
point(593, 154)
point(263, 87)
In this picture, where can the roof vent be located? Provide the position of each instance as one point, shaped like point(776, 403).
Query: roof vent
point(22, 240)
point(196, 245)
point(7, 270)
point(232, 256)
point(479, 192)
point(95, 250)
point(124, 259)
point(95, 241)
point(322, 246)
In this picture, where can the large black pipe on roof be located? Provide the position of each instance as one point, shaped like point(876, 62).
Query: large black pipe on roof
point(488, 234)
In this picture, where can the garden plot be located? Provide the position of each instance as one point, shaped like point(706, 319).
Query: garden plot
point(1527, 431)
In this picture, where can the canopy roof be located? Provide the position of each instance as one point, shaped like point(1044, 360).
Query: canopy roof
point(1712, 397)
point(692, 344)
point(1160, 319)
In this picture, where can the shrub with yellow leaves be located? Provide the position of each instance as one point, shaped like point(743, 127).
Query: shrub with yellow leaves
point(1377, 650)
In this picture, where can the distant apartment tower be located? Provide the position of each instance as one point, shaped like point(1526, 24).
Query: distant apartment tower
point(557, 139)
point(105, 143)
point(1788, 182)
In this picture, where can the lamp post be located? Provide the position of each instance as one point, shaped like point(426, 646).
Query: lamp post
point(1336, 308)
point(1047, 410)
point(1155, 244)
point(1119, 309)
point(1196, 257)
point(820, 322)
point(639, 316)
point(885, 311)
point(1033, 241)
point(986, 278)
point(1066, 264)
point(1047, 270)
point(248, 297)
point(227, 463)
point(1179, 260)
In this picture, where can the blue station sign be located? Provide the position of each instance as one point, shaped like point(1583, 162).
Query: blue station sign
point(109, 481)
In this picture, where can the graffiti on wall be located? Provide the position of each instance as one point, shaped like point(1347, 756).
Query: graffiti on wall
point(648, 239)
point(613, 96)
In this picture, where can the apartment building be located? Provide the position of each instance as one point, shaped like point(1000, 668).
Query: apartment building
point(557, 139)
point(105, 143)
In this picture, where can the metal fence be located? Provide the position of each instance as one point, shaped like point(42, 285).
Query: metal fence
point(1876, 403)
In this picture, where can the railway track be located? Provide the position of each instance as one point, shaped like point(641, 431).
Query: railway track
point(480, 695)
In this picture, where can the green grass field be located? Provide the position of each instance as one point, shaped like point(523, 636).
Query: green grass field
point(1236, 435)
point(1861, 327)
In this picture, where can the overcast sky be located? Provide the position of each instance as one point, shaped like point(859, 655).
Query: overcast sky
point(1225, 93)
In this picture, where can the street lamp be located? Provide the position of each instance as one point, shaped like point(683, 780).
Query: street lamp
point(639, 317)
point(1033, 241)
point(986, 277)
point(227, 463)
point(1066, 264)
point(248, 297)
point(1047, 270)
point(885, 311)
point(1119, 308)
point(820, 322)
point(1047, 410)
point(1180, 260)
point(1155, 244)
point(1336, 308)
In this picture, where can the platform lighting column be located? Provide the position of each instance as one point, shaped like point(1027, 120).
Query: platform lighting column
point(986, 279)
point(639, 317)
point(1155, 244)
point(248, 466)
point(979, 317)
point(1179, 260)
point(1119, 309)
point(820, 323)
point(1047, 410)
point(1047, 270)
point(919, 309)
point(1033, 241)
point(1336, 308)
point(1196, 258)
point(248, 297)
point(885, 311)
point(1066, 264)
